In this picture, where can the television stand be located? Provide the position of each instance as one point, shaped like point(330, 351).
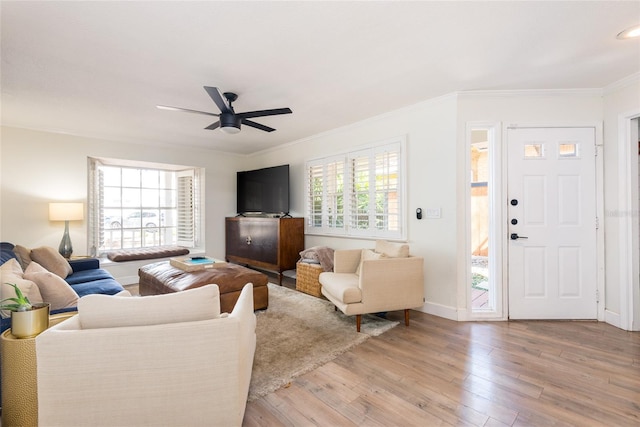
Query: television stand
point(272, 244)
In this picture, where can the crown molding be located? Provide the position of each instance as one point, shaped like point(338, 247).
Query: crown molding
point(530, 93)
point(622, 83)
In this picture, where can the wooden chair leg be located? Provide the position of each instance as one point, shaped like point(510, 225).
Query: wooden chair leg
point(358, 321)
point(406, 317)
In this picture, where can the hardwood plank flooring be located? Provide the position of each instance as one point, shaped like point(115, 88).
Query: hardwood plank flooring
point(441, 372)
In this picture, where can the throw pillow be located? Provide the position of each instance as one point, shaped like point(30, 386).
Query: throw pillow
point(53, 288)
point(104, 311)
point(11, 272)
point(23, 254)
point(392, 250)
point(368, 254)
point(52, 261)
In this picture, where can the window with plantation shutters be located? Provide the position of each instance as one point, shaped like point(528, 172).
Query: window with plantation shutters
point(138, 204)
point(359, 193)
point(325, 195)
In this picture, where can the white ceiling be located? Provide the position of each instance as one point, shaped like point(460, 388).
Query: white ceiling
point(99, 69)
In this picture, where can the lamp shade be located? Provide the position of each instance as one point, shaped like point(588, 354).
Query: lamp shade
point(66, 211)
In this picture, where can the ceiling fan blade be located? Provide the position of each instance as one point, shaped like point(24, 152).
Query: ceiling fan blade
point(213, 126)
point(185, 110)
point(219, 99)
point(263, 113)
point(257, 125)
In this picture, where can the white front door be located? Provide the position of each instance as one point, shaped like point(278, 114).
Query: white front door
point(552, 223)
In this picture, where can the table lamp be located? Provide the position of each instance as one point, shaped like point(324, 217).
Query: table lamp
point(66, 212)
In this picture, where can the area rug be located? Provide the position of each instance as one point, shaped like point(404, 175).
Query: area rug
point(298, 333)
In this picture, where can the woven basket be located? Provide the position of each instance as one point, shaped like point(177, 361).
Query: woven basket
point(307, 278)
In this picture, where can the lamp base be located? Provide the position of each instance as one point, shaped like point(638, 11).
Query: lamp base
point(65, 248)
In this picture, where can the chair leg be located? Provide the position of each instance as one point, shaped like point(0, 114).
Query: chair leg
point(358, 321)
point(406, 317)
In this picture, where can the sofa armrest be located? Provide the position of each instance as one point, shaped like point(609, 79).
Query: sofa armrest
point(84, 264)
point(346, 260)
point(404, 275)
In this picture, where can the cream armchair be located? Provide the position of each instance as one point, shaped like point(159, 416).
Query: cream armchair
point(166, 360)
point(364, 281)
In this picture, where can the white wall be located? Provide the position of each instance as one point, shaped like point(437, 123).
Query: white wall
point(430, 131)
point(39, 167)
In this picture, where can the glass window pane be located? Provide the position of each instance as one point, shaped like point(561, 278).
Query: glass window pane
point(131, 197)
point(568, 149)
point(111, 197)
point(167, 198)
point(111, 176)
point(150, 198)
point(150, 178)
point(480, 223)
point(533, 150)
point(112, 218)
point(130, 177)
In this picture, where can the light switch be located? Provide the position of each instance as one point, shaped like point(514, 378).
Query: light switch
point(433, 213)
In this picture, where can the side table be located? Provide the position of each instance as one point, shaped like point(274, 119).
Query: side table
point(19, 377)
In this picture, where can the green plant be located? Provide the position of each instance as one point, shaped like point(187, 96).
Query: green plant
point(19, 303)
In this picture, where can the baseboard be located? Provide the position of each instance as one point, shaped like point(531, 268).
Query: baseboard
point(613, 319)
point(440, 310)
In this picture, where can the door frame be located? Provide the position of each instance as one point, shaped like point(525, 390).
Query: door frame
point(501, 171)
point(629, 226)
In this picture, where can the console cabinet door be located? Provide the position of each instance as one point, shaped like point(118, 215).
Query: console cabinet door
point(253, 239)
point(271, 243)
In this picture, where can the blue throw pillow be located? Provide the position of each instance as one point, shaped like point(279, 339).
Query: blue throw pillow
point(6, 252)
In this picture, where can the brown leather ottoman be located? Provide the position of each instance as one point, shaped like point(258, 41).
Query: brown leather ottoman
point(162, 278)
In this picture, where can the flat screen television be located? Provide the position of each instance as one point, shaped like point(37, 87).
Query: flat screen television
point(263, 191)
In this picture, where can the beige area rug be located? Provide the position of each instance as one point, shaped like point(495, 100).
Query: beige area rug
point(298, 333)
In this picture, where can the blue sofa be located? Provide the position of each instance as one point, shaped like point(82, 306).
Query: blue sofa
point(87, 278)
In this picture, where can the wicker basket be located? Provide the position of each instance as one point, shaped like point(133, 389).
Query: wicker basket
point(307, 278)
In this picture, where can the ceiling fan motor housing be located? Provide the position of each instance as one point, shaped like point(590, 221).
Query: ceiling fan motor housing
point(228, 121)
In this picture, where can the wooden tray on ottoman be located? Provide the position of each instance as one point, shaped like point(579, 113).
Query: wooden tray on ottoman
point(307, 278)
point(163, 278)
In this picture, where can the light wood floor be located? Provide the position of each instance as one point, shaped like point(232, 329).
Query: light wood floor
point(441, 372)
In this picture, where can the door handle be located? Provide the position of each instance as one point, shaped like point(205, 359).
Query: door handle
point(514, 236)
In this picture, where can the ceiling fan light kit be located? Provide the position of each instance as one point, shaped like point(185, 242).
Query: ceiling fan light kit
point(629, 33)
point(230, 121)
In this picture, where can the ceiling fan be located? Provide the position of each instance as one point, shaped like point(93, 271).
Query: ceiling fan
point(230, 121)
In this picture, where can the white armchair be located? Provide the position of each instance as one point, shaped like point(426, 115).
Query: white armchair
point(364, 281)
point(166, 360)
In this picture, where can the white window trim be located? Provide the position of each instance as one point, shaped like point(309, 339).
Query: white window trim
point(344, 157)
